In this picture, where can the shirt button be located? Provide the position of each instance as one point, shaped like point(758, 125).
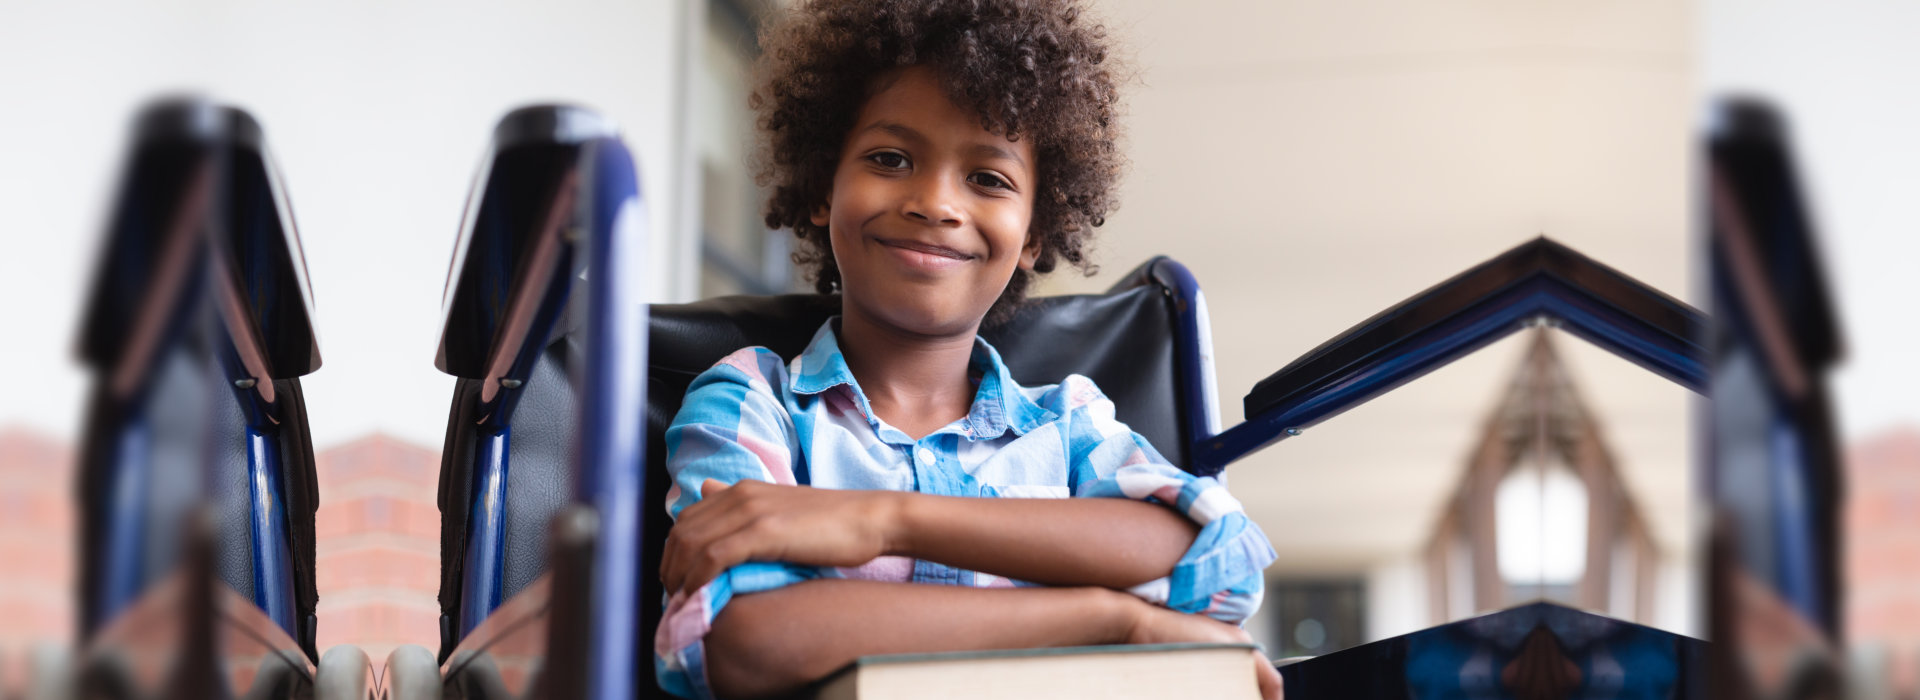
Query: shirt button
point(925, 455)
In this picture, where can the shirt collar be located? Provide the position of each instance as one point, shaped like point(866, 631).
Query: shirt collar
point(999, 404)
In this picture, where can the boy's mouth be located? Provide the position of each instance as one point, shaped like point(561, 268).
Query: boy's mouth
point(941, 256)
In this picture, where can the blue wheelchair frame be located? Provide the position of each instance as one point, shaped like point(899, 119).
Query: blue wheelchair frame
point(1540, 282)
point(221, 280)
point(604, 241)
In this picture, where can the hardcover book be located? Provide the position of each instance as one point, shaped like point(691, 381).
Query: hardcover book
point(1120, 672)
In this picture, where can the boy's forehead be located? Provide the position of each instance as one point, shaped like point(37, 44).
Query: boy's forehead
point(915, 98)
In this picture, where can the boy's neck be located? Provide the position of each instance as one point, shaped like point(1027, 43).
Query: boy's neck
point(915, 383)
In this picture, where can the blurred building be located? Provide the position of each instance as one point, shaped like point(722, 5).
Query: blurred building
point(378, 545)
point(1541, 512)
point(36, 545)
point(1882, 536)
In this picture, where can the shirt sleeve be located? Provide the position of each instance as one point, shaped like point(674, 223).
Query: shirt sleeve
point(1222, 574)
point(731, 427)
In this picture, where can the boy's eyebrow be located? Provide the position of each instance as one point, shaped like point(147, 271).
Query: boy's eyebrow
point(992, 151)
point(981, 149)
point(897, 129)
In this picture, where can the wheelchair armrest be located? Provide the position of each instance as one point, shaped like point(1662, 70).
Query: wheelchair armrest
point(508, 277)
point(1540, 282)
point(193, 162)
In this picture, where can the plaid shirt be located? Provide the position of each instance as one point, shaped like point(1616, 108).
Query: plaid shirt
point(807, 422)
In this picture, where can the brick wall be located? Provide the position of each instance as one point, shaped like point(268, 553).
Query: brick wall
point(36, 549)
point(378, 545)
point(1882, 531)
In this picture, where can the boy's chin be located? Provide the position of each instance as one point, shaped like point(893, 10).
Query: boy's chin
point(931, 319)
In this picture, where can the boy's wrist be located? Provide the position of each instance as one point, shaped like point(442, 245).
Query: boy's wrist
point(896, 518)
point(1118, 614)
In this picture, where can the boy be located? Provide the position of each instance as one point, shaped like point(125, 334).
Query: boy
point(932, 157)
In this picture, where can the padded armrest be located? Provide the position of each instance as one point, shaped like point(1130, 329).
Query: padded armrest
point(192, 160)
point(521, 199)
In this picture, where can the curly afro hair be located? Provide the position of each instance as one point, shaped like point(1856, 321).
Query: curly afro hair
point(1035, 69)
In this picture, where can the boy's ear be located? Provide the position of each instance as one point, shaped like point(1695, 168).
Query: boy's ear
point(819, 216)
point(1030, 252)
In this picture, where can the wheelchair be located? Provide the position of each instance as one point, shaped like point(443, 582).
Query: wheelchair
point(552, 497)
point(197, 485)
point(1774, 464)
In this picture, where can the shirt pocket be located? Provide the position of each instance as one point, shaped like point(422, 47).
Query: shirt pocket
point(1032, 491)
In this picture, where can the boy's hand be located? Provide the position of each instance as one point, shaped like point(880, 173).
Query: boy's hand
point(758, 521)
point(1152, 624)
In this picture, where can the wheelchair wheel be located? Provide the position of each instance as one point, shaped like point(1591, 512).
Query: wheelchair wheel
point(49, 673)
point(345, 674)
point(105, 676)
point(411, 674)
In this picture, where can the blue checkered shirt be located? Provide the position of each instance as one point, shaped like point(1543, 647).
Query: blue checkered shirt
point(807, 422)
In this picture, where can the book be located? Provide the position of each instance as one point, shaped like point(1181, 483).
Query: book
point(1119, 672)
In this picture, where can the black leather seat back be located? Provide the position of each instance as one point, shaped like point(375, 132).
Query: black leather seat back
point(540, 456)
point(540, 478)
point(1123, 340)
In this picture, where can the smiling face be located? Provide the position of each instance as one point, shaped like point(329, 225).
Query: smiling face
point(929, 211)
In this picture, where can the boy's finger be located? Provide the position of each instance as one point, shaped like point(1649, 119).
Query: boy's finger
point(669, 562)
point(682, 540)
point(698, 529)
point(688, 542)
point(682, 556)
point(719, 557)
point(711, 486)
point(670, 554)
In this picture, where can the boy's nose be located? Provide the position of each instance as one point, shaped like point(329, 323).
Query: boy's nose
point(933, 201)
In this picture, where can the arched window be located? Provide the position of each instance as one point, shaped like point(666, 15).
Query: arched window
point(1540, 521)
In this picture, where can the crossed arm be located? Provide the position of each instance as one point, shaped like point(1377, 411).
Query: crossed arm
point(775, 641)
point(1107, 542)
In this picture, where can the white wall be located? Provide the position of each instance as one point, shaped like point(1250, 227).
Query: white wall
point(378, 114)
point(1397, 597)
point(1679, 589)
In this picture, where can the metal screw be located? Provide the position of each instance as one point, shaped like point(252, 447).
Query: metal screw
point(510, 383)
point(1294, 431)
point(243, 383)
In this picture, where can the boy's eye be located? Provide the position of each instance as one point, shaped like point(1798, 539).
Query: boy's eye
point(989, 180)
point(889, 159)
